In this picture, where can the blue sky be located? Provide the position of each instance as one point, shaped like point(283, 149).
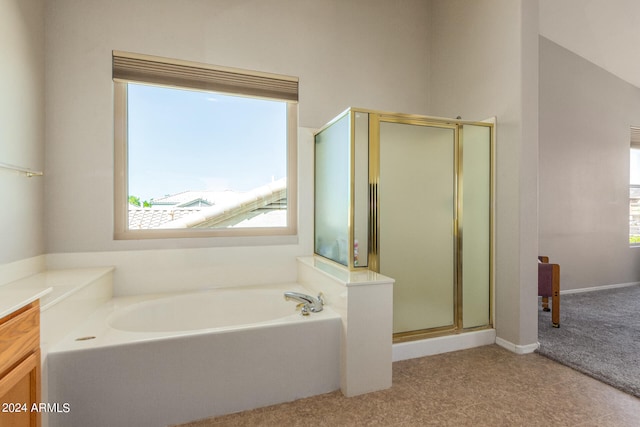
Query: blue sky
point(189, 140)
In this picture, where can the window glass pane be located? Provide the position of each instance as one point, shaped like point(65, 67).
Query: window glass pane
point(205, 160)
point(634, 197)
point(634, 170)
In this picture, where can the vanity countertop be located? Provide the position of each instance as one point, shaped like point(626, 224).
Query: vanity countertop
point(12, 299)
point(51, 287)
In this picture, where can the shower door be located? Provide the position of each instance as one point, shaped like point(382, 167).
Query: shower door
point(417, 222)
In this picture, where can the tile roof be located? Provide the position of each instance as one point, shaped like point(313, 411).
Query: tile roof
point(264, 206)
point(147, 218)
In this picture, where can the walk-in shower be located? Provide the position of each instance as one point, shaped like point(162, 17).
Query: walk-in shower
point(411, 197)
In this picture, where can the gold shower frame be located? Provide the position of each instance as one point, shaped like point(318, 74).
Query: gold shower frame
point(375, 118)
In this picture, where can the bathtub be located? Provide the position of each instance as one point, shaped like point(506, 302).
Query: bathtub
point(165, 359)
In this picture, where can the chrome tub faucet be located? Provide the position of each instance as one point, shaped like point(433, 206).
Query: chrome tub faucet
point(306, 303)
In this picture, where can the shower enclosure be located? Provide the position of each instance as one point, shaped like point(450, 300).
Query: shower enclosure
point(411, 197)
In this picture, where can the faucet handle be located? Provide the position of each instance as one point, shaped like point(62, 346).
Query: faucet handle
point(304, 308)
point(321, 298)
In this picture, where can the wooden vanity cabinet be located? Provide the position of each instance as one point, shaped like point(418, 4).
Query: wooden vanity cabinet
point(20, 367)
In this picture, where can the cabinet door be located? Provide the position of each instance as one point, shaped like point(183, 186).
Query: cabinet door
point(19, 391)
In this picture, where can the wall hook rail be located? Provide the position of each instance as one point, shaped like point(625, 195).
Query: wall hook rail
point(28, 172)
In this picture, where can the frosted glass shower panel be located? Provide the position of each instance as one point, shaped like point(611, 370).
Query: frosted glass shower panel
point(332, 190)
point(475, 224)
point(417, 208)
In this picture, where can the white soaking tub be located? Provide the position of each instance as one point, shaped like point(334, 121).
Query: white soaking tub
point(160, 360)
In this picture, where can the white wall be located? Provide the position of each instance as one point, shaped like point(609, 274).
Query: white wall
point(483, 64)
point(602, 32)
point(585, 116)
point(448, 58)
point(374, 54)
point(364, 53)
point(21, 128)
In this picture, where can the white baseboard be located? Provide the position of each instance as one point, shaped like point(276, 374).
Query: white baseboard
point(598, 288)
point(446, 344)
point(515, 348)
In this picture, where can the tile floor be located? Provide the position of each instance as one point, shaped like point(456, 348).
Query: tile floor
point(485, 386)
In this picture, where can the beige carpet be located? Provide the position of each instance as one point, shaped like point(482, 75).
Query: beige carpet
point(599, 335)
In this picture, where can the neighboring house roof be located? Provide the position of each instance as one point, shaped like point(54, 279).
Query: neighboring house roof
point(195, 203)
point(260, 207)
point(238, 204)
point(272, 215)
point(187, 197)
point(147, 218)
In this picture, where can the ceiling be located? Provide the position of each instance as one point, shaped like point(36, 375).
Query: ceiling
point(605, 32)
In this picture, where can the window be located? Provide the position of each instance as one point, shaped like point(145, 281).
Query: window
point(634, 188)
point(202, 150)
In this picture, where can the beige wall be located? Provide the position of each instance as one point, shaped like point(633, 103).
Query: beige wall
point(602, 32)
point(21, 128)
point(483, 64)
point(585, 116)
point(448, 58)
point(355, 53)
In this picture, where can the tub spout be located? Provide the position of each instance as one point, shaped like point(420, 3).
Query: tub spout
point(308, 303)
